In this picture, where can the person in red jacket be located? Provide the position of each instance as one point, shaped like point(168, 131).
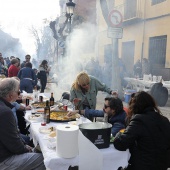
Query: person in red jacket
point(13, 69)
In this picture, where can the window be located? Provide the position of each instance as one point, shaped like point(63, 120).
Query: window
point(128, 50)
point(130, 10)
point(157, 50)
point(154, 2)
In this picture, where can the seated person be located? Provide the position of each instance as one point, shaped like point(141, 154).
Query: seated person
point(113, 107)
point(147, 136)
point(15, 154)
point(14, 109)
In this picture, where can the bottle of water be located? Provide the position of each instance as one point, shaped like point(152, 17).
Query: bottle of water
point(35, 95)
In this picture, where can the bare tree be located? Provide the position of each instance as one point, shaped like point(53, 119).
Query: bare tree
point(43, 41)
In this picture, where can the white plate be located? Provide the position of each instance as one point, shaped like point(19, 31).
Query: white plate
point(73, 123)
point(35, 117)
point(45, 130)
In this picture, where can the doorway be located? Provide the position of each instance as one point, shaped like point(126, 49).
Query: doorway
point(128, 56)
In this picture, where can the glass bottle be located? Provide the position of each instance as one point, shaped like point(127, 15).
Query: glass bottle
point(35, 94)
point(51, 100)
point(47, 112)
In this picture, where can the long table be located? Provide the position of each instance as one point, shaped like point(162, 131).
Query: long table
point(140, 84)
point(111, 159)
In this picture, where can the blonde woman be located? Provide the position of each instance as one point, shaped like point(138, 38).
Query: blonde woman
point(84, 91)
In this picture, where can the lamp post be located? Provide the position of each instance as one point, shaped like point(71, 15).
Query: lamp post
point(69, 12)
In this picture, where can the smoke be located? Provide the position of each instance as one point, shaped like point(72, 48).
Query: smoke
point(80, 45)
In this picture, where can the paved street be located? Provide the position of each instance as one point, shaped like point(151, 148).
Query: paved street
point(52, 87)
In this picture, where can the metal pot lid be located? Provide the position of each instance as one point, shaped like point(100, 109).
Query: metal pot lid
point(95, 125)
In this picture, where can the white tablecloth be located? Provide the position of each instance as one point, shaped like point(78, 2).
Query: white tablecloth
point(140, 84)
point(110, 156)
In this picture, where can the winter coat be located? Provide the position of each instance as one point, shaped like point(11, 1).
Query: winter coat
point(95, 86)
point(148, 138)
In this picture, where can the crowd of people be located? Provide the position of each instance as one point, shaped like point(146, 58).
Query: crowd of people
point(28, 75)
point(146, 131)
point(141, 68)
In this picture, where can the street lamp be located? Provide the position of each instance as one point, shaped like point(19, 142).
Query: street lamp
point(69, 12)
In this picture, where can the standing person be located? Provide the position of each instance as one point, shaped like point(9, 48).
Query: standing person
point(7, 61)
point(19, 64)
point(3, 67)
point(147, 135)
point(27, 59)
point(145, 66)
point(15, 154)
point(42, 74)
point(28, 78)
point(84, 91)
point(138, 69)
point(91, 67)
point(13, 69)
point(9, 64)
point(113, 107)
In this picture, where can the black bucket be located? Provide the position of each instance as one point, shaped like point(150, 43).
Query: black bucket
point(98, 133)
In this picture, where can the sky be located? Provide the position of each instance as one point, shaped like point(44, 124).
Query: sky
point(18, 16)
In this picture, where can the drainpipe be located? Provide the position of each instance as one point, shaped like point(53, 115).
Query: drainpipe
point(144, 18)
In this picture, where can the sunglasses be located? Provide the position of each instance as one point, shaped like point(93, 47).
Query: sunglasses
point(84, 85)
point(105, 106)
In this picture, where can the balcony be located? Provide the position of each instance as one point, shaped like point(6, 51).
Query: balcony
point(131, 11)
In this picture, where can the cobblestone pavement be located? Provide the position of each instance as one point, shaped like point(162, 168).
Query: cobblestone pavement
point(52, 87)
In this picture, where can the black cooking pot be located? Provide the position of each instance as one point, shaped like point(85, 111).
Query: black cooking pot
point(98, 133)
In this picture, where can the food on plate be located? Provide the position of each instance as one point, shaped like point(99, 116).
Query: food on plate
point(72, 123)
point(35, 117)
point(39, 104)
point(122, 130)
point(62, 116)
point(52, 134)
point(47, 130)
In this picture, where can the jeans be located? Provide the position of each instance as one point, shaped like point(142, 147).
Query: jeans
point(26, 161)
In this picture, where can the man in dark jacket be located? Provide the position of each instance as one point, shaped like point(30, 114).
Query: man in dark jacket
point(27, 60)
point(14, 153)
point(28, 78)
point(113, 107)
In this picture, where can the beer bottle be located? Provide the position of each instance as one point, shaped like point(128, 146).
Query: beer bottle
point(51, 100)
point(47, 112)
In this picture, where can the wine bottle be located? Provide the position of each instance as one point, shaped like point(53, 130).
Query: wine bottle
point(47, 112)
point(51, 100)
